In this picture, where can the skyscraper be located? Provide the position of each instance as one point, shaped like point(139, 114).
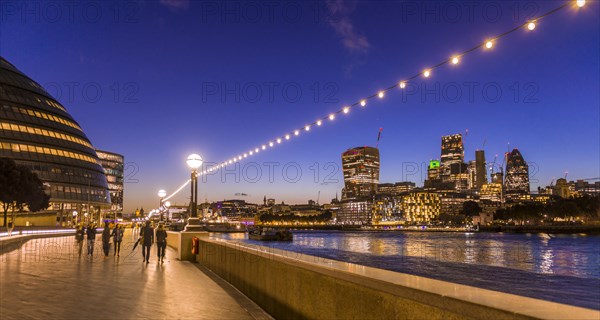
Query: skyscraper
point(361, 171)
point(452, 150)
point(477, 171)
point(517, 174)
point(433, 170)
point(114, 166)
point(453, 168)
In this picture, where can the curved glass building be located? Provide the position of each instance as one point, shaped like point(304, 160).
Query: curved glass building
point(37, 131)
point(516, 180)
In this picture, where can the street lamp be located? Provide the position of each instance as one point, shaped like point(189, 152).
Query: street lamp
point(161, 194)
point(167, 204)
point(194, 161)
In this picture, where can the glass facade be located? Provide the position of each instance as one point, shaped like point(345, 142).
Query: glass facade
point(113, 165)
point(361, 172)
point(37, 131)
point(517, 174)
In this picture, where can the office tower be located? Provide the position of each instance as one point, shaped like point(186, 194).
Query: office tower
point(480, 170)
point(361, 171)
point(517, 174)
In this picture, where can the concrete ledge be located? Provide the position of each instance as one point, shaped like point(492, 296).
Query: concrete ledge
point(8, 244)
point(293, 286)
point(182, 243)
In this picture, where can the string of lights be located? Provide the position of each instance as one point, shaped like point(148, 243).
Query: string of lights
point(487, 44)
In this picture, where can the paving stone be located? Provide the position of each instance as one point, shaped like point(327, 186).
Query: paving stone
point(45, 278)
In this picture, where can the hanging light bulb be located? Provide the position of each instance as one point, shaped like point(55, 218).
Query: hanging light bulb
point(278, 140)
point(580, 3)
point(363, 103)
point(319, 122)
point(346, 109)
point(307, 128)
point(455, 60)
point(381, 94)
point(297, 132)
point(270, 144)
point(489, 44)
point(531, 26)
point(264, 147)
point(287, 137)
point(427, 73)
point(331, 116)
point(402, 85)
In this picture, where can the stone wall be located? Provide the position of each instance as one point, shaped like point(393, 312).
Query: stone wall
point(295, 286)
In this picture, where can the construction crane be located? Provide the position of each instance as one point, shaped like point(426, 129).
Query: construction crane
point(493, 164)
point(378, 137)
point(503, 161)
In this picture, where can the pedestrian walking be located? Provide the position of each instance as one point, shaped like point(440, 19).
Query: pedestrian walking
point(11, 226)
point(161, 241)
point(91, 238)
point(106, 239)
point(117, 234)
point(147, 240)
point(79, 237)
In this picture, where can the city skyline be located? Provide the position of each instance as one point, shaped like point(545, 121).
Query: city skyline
point(156, 133)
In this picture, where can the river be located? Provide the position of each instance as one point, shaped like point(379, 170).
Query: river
point(560, 268)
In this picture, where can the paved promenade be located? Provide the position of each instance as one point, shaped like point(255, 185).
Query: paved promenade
point(46, 279)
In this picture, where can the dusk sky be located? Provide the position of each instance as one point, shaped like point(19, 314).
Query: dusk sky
point(219, 79)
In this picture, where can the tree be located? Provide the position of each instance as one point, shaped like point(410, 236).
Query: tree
point(20, 187)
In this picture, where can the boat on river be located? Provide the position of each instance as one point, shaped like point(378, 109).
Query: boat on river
point(270, 234)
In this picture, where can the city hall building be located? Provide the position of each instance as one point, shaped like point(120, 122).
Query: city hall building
point(38, 132)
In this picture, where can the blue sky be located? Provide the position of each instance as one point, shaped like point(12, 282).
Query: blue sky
point(158, 80)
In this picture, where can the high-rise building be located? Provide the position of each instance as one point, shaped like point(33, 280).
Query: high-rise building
point(114, 166)
point(433, 170)
point(452, 150)
point(480, 170)
point(453, 169)
point(38, 132)
point(517, 174)
point(472, 170)
point(361, 172)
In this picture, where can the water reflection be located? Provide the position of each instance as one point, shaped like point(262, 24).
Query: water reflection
point(563, 268)
point(572, 255)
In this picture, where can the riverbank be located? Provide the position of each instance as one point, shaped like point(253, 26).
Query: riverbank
point(586, 229)
point(557, 229)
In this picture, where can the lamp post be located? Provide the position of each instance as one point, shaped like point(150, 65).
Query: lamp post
point(194, 161)
point(167, 204)
point(161, 194)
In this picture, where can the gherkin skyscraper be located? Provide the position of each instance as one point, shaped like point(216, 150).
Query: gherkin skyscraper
point(516, 180)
